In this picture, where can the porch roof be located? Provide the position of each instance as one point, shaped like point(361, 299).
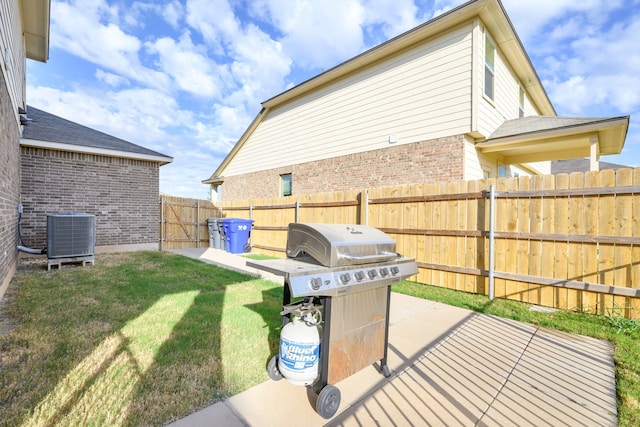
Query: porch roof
point(543, 138)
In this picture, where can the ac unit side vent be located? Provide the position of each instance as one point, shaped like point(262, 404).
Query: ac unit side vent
point(71, 235)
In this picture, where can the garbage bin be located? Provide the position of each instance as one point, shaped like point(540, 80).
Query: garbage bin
point(236, 231)
point(215, 238)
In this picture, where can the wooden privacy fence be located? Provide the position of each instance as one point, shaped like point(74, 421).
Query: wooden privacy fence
point(564, 241)
point(183, 222)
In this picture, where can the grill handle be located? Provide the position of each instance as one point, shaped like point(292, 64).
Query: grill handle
point(366, 259)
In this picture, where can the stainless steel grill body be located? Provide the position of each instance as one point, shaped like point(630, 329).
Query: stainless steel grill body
point(349, 270)
point(334, 245)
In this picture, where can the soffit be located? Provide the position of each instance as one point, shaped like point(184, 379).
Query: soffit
point(35, 25)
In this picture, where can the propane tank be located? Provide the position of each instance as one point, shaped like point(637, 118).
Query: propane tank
point(300, 346)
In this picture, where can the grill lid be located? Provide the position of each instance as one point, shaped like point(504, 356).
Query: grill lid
point(334, 245)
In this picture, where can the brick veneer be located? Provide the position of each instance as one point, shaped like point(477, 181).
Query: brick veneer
point(430, 161)
point(9, 187)
point(122, 193)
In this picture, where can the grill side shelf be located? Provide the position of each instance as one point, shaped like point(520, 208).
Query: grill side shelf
point(287, 266)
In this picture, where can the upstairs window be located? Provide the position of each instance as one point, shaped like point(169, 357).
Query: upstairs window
point(521, 103)
point(489, 67)
point(285, 184)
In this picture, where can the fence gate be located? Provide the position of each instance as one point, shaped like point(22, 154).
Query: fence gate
point(183, 222)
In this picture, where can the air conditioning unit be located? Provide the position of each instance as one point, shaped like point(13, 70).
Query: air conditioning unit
point(71, 235)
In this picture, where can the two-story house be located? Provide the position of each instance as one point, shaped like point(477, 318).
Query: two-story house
point(456, 98)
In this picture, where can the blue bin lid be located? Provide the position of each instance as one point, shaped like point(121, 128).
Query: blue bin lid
point(234, 220)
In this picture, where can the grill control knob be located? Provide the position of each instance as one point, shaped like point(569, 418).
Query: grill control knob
point(315, 283)
point(384, 271)
point(344, 278)
point(395, 270)
point(372, 274)
point(359, 276)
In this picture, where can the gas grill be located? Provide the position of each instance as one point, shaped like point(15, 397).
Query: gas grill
point(346, 271)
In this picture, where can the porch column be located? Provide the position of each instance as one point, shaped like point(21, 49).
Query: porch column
point(595, 154)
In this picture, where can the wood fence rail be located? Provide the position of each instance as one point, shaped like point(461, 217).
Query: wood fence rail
point(564, 241)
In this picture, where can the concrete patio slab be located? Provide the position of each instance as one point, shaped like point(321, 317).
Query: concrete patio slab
point(451, 367)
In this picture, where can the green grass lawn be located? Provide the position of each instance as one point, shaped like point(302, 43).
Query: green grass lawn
point(138, 339)
point(146, 338)
point(623, 333)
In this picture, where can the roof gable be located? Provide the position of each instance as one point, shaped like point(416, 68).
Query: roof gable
point(49, 128)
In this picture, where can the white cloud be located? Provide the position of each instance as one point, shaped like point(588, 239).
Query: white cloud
point(395, 16)
point(191, 69)
point(219, 28)
point(77, 29)
point(258, 64)
point(317, 34)
point(173, 13)
point(110, 78)
point(530, 17)
point(260, 67)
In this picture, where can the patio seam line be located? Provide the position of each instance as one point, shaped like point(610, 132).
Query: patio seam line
point(235, 412)
point(507, 378)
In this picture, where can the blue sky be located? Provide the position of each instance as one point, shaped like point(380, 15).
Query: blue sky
point(185, 78)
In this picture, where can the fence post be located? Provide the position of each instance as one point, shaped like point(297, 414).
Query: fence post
point(251, 209)
point(162, 222)
point(198, 224)
point(297, 210)
point(492, 217)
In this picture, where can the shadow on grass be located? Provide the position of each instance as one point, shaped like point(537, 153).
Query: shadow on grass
point(139, 339)
point(269, 309)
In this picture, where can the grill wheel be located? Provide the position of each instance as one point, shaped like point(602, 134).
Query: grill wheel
point(328, 401)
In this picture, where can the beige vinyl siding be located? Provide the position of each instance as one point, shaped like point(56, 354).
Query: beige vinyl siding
point(473, 165)
point(540, 168)
point(12, 46)
point(504, 106)
point(529, 108)
point(420, 94)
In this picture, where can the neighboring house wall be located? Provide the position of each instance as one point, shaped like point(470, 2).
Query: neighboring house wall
point(9, 188)
point(429, 161)
point(122, 193)
point(12, 54)
point(427, 84)
point(12, 90)
point(418, 95)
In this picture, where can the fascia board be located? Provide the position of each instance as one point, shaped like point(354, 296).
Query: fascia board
point(247, 133)
point(595, 126)
point(163, 160)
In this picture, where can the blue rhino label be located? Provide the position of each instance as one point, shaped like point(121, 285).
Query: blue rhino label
point(299, 356)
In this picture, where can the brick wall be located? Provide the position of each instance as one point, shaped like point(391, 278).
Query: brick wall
point(430, 161)
point(9, 187)
point(122, 193)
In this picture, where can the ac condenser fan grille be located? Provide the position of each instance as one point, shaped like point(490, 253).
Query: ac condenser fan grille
point(71, 235)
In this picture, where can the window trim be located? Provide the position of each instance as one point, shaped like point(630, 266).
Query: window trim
point(283, 181)
point(521, 100)
point(489, 68)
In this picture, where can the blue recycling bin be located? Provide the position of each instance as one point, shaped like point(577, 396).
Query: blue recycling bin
point(236, 232)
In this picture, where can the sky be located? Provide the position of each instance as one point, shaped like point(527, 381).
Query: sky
point(186, 78)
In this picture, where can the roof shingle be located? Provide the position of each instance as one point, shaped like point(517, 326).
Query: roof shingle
point(50, 128)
